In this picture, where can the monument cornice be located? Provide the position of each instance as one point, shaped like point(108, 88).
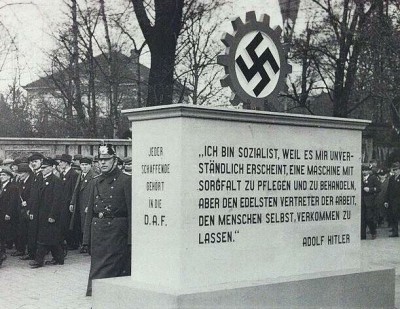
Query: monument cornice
point(252, 116)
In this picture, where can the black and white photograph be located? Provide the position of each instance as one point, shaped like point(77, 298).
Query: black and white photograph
point(199, 154)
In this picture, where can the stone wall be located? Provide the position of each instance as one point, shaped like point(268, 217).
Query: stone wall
point(22, 147)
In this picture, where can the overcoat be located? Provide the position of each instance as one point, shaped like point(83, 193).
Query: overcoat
point(25, 193)
point(51, 203)
point(368, 199)
point(33, 208)
point(374, 185)
point(9, 205)
point(80, 200)
point(393, 196)
point(108, 226)
point(68, 182)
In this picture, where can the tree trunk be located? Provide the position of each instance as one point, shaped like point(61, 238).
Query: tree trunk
point(161, 77)
point(77, 101)
point(162, 39)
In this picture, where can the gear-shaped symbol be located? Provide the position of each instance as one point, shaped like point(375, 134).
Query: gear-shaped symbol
point(255, 62)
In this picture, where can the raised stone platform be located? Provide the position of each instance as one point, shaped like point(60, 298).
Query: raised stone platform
point(245, 209)
point(373, 288)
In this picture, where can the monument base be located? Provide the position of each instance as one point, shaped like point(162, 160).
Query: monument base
point(373, 288)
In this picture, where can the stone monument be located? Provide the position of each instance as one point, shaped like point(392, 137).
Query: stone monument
point(245, 209)
point(242, 208)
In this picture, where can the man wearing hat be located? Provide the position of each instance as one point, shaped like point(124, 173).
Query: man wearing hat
point(13, 226)
point(32, 201)
point(392, 199)
point(24, 186)
point(108, 220)
point(128, 166)
point(8, 208)
point(69, 178)
point(51, 203)
point(120, 163)
point(371, 186)
point(80, 198)
point(96, 165)
point(8, 162)
point(76, 159)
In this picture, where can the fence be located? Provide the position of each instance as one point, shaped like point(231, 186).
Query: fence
point(12, 148)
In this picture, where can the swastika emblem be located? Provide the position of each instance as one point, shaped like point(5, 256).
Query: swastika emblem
point(258, 64)
point(255, 62)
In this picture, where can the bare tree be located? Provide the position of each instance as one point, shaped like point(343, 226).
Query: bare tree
point(89, 21)
point(334, 45)
point(123, 23)
point(198, 47)
point(161, 37)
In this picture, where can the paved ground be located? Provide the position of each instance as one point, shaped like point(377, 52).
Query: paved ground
point(55, 287)
point(64, 286)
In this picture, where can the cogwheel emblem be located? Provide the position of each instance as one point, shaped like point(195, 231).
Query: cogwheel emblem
point(255, 62)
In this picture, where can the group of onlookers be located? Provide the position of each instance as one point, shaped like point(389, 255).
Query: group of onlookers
point(380, 199)
point(49, 205)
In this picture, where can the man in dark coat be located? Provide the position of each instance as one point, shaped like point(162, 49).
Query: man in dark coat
point(51, 203)
point(108, 220)
point(9, 204)
point(392, 199)
point(69, 178)
point(24, 183)
point(35, 163)
point(80, 198)
point(371, 186)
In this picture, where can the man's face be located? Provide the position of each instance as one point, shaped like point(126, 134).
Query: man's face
point(4, 177)
point(35, 164)
point(14, 168)
point(396, 171)
point(47, 170)
point(365, 173)
point(128, 167)
point(85, 167)
point(106, 165)
point(62, 165)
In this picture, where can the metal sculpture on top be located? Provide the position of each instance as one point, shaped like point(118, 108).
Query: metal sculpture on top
point(255, 62)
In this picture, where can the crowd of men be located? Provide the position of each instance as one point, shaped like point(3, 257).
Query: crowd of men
point(380, 199)
point(52, 205)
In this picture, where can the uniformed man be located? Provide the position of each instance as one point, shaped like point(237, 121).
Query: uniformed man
point(51, 203)
point(80, 198)
point(108, 220)
point(8, 207)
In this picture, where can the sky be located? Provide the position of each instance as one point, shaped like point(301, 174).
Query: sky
point(32, 22)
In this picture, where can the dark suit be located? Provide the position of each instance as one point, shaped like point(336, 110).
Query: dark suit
point(9, 203)
point(13, 230)
point(24, 188)
point(80, 201)
point(33, 208)
point(392, 197)
point(51, 204)
point(69, 182)
point(368, 204)
point(108, 226)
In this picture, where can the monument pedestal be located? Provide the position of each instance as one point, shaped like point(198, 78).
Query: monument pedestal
point(346, 289)
point(245, 209)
